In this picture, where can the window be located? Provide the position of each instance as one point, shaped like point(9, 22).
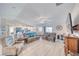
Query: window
point(40, 29)
point(48, 29)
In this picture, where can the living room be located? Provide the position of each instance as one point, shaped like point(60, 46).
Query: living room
point(26, 28)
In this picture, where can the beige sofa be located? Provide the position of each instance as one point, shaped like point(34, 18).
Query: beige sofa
point(13, 50)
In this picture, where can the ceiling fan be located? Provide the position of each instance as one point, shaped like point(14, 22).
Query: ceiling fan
point(58, 4)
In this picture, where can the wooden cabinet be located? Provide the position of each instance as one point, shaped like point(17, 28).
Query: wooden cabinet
point(71, 45)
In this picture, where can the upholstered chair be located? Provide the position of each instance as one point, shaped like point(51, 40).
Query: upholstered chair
point(13, 50)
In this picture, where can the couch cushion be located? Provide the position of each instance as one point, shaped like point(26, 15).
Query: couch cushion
point(9, 51)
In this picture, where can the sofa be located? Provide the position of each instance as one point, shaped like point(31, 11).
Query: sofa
point(31, 39)
point(50, 36)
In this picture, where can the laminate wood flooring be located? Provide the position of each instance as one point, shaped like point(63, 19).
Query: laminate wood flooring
point(43, 48)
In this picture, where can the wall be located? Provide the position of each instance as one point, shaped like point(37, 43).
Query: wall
point(3, 26)
point(59, 21)
point(75, 14)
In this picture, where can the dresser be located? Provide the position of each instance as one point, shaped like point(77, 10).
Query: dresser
point(71, 45)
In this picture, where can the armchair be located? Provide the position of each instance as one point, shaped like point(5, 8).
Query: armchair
point(13, 50)
point(50, 36)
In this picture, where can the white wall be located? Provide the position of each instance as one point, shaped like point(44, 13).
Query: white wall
point(63, 24)
point(59, 21)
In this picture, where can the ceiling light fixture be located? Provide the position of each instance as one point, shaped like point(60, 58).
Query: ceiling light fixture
point(58, 4)
point(13, 7)
point(43, 19)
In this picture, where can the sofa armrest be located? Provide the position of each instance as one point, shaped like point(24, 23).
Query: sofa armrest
point(19, 45)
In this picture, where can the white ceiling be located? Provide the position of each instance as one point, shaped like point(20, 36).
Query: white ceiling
point(36, 13)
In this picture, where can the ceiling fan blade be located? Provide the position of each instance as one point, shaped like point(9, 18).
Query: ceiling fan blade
point(58, 4)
